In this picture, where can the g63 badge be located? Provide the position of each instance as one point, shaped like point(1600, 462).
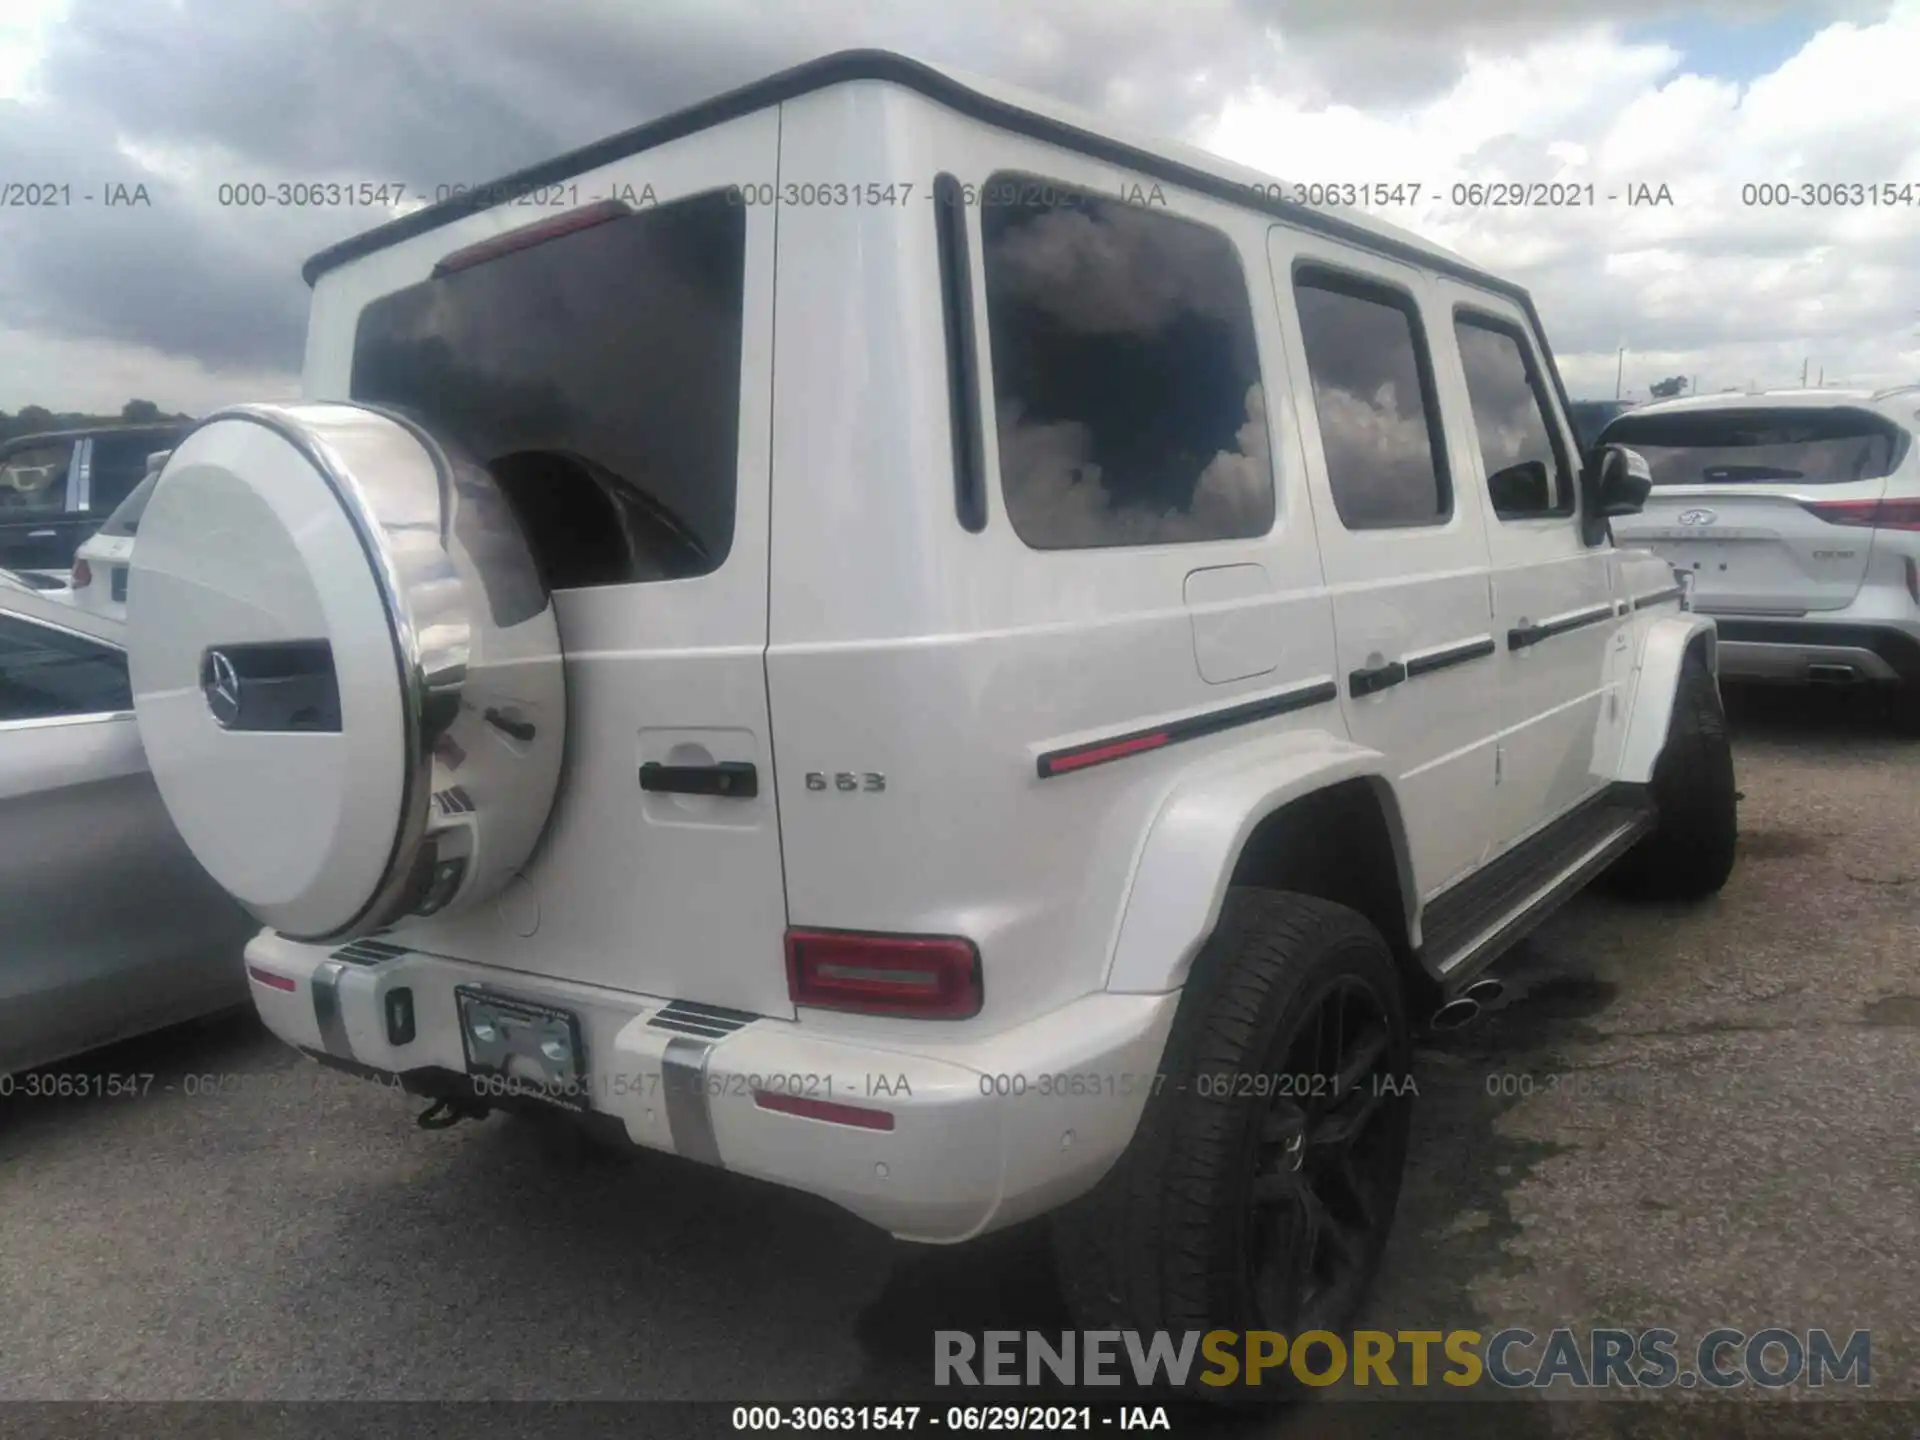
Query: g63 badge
point(847, 780)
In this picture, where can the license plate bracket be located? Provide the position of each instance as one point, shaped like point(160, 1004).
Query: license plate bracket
point(517, 1047)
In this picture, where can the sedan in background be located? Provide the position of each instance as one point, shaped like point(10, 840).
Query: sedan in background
point(108, 926)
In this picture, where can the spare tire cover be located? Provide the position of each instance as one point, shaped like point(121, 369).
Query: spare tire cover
point(346, 668)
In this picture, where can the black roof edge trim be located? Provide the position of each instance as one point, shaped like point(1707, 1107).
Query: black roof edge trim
point(884, 65)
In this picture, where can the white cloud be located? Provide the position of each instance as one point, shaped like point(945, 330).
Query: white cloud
point(190, 92)
point(99, 376)
point(24, 28)
point(1707, 286)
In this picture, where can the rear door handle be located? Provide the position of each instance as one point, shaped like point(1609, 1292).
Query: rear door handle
point(733, 779)
point(1376, 678)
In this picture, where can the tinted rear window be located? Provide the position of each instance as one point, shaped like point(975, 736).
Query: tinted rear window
point(1759, 446)
point(597, 375)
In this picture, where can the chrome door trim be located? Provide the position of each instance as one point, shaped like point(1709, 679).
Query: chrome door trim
point(47, 722)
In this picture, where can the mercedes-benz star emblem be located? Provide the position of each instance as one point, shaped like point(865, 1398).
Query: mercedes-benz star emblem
point(220, 683)
point(1697, 517)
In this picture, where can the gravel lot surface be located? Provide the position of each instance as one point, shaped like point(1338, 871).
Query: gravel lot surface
point(1676, 1116)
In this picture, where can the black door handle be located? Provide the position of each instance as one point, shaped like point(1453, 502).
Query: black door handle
point(1376, 678)
point(521, 730)
point(734, 779)
point(1521, 636)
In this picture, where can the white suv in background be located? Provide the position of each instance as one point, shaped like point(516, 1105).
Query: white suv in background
point(101, 564)
point(1796, 514)
point(1026, 713)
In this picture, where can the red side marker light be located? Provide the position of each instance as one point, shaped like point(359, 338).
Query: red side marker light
point(1066, 760)
point(832, 1111)
point(271, 980)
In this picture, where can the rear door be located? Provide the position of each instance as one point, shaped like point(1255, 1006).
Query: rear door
point(616, 378)
point(1402, 539)
point(1553, 611)
point(1745, 498)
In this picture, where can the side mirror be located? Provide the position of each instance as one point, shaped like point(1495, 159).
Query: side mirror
point(1619, 481)
point(1522, 489)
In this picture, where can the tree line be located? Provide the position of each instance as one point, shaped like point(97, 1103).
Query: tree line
point(33, 419)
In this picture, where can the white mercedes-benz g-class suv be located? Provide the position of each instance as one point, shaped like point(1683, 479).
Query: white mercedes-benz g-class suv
point(873, 634)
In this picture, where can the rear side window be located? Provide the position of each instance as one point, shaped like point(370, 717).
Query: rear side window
point(1374, 396)
point(597, 375)
point(46, 673)
point(1525, 460)
point(1126, 381)
point(125, 519)
point(1763, 446)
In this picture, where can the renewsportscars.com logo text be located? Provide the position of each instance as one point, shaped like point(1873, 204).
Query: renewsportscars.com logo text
point(1655, 1359)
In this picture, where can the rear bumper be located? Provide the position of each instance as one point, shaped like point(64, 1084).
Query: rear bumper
point(1794, 651)
point(985, 1132)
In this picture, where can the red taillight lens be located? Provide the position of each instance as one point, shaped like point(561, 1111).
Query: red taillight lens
point(1869, 514)
point(82, 575)
point(930, 977)
point(271, 980)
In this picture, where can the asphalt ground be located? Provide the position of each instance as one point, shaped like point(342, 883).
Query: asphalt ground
point(1680, 1116)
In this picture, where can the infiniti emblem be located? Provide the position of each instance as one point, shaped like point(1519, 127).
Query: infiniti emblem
point(220, 683)
point(1697, 517)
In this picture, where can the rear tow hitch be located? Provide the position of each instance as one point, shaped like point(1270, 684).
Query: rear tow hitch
point(447, 1112)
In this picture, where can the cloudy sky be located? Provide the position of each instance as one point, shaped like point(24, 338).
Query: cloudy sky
point(191, 304)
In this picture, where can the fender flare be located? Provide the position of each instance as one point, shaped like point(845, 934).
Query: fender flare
point(1188, 854)
point(1662, 653)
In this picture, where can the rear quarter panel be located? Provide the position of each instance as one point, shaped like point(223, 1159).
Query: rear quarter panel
point(902, 644)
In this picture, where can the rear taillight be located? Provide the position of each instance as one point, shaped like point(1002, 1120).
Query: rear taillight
point(82, 575)
point(1867, 514)
point(926, 976)
point(271, 980)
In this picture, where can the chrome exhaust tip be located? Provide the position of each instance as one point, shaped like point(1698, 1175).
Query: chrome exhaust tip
point(1455, 1014)
point(1486, 991)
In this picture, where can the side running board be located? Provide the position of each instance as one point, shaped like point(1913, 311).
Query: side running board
point(1467, 927)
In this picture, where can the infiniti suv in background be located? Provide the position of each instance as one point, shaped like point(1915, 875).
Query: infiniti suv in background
point(1795, 516)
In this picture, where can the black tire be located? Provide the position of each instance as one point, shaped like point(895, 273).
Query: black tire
point(1905, 706)
point(1690, 854)
point(1173, 1238)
